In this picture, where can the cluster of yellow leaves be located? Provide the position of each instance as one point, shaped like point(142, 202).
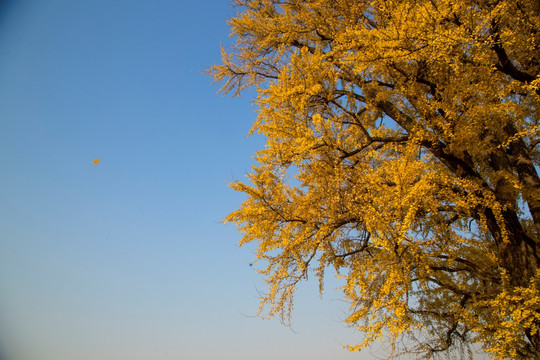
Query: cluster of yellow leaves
point(401, 152)
point(515, 308)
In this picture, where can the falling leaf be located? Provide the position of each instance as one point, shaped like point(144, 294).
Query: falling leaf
point(95, 161)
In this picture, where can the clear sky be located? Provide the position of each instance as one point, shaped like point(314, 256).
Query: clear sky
point(127, 259)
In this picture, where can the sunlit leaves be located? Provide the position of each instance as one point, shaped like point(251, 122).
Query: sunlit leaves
point(401, 152)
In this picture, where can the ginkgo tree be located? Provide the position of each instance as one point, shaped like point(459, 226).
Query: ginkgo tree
point(402, 155)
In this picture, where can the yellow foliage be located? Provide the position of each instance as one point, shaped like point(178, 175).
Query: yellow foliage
point(402, 151)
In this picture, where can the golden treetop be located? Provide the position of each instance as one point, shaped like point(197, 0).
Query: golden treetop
point(401, 152)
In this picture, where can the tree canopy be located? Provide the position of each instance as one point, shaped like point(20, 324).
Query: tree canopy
point(401, 152)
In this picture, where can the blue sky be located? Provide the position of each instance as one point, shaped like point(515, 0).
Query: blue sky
point(127, 259)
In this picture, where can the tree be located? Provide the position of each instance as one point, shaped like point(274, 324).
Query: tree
point(402, 151)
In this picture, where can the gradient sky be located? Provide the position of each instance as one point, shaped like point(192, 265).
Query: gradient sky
point(127, 259)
